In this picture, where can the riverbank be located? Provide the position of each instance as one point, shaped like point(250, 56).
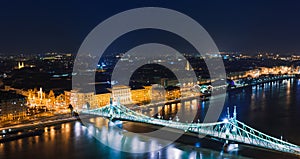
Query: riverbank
point(15, 132)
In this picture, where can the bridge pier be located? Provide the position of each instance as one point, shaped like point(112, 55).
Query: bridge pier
point(115, 122)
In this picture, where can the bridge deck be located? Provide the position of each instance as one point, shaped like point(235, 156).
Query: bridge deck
point(229, 130)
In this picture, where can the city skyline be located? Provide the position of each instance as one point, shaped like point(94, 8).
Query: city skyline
point(149, 79)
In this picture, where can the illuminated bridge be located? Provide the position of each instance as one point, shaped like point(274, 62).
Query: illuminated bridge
point(229, 130)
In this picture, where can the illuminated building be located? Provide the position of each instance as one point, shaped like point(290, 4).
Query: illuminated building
point(173, 94)
point(67, 95)
point(142, 96)
point(12, 106)
point(158, 93)
point(79, 100)
point(122, 93)
point(255, 73)
point(36, 98)
point(39, 98)
point(20, 65)
point(102, 99)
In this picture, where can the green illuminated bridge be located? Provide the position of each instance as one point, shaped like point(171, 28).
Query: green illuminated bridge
point(229, 130)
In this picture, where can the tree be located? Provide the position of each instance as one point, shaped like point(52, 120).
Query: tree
point(71, 109)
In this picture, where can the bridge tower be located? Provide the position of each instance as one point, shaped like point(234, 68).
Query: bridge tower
point(115, 113)
point(229, 130)
point(227, 125)
point(234, 121)
point(228, 113)
point(234, 113)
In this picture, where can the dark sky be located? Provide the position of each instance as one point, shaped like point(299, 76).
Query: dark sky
point(61, 26)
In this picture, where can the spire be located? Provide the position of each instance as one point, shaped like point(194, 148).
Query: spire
point(41, 93)
point(228, 114)
point(20, 65)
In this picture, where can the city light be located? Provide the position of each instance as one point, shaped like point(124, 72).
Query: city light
point(145, 79)
point(225, 120)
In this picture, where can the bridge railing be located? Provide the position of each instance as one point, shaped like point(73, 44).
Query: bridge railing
point(265, 136)
point(232, 129)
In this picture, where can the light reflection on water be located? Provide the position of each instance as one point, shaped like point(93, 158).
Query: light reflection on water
point(71, 140)
point(274, 105)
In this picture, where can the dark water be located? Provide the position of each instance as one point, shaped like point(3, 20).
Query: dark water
point(273, 108)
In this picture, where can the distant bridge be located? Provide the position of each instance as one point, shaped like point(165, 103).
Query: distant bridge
point(230, 129)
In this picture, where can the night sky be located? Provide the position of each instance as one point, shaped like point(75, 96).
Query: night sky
point(61, 26)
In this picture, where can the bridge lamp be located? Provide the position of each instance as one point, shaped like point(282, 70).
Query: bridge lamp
point(159, 116)
point(177, 119)
point(225, 120)
point(197, 144)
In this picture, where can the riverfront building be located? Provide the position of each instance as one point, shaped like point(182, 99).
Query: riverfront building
point(12, 106)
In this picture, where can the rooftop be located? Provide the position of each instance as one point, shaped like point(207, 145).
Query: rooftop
point(7, 95)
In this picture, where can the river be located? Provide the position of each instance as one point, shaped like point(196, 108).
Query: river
point(272, 108)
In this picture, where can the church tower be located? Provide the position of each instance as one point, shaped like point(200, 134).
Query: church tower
point(20, 65)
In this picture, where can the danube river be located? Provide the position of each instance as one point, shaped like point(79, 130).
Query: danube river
point(272, 108)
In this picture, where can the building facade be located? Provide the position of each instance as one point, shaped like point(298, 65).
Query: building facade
point(121, 93)
point(80, 100)
point(141, 96)
point(12, 106)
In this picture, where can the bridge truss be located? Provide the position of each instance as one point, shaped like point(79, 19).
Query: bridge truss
point(229, 130)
